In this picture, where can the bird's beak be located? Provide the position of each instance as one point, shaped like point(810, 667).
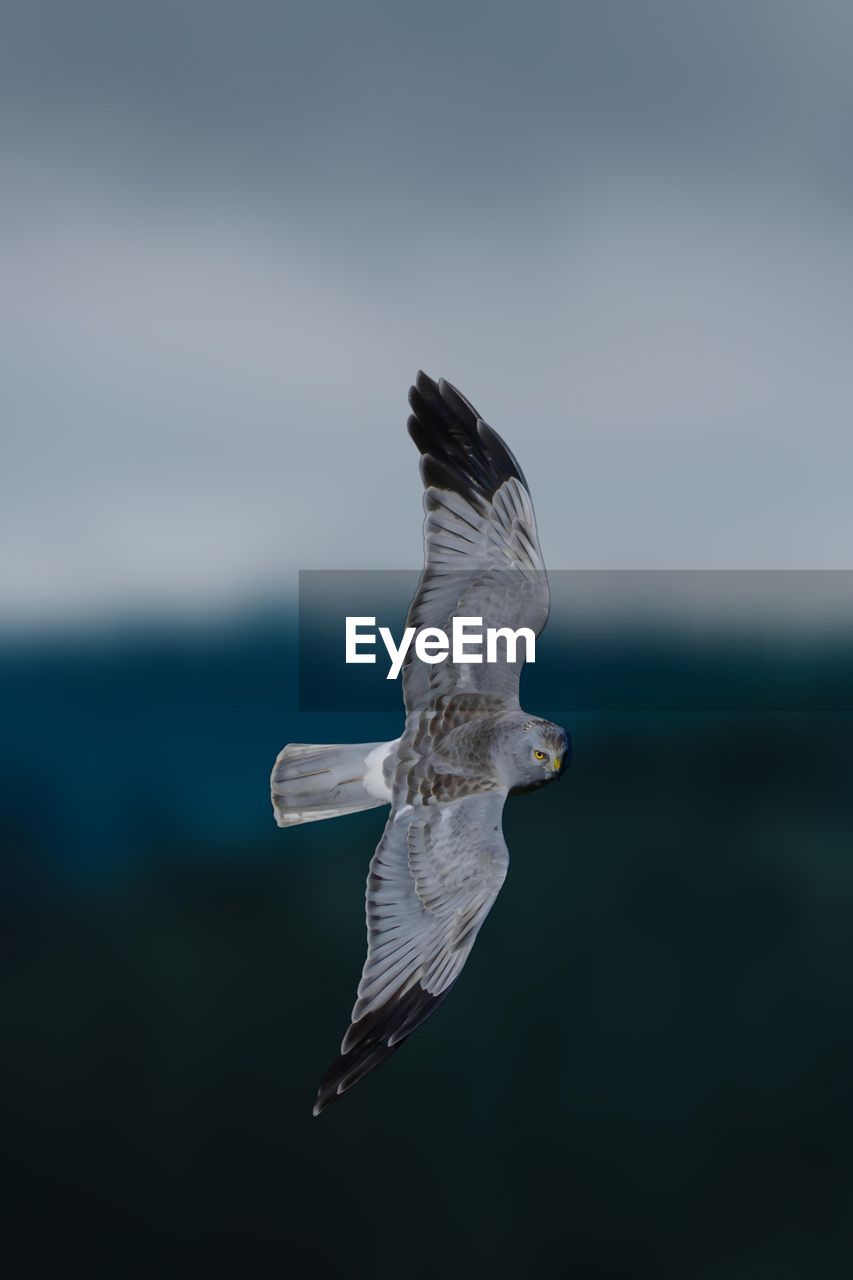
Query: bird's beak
point(558, 764)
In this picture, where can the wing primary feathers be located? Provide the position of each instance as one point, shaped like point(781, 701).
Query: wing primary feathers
point(374, 1038)
point(460, 451)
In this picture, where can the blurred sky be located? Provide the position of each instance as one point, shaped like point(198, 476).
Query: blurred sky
point(231, 233)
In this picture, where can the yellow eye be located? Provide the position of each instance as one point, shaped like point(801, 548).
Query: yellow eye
point(539, 755)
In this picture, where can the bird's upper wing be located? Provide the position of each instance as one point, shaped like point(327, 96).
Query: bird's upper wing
point(482, 556)
point(432, 881)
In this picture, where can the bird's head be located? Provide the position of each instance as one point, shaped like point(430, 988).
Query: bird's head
point(540, 752)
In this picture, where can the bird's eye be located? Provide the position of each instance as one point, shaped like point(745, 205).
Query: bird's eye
point(539, 755)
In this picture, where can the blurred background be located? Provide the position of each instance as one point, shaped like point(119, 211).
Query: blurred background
point(229, 236)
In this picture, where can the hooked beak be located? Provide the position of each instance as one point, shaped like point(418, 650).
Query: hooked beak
point(558, 765)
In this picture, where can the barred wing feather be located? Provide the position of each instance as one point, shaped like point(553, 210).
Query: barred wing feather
point(432, 882)
point(482, 555)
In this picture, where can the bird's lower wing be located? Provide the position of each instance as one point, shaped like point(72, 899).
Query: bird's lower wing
point(432, 881)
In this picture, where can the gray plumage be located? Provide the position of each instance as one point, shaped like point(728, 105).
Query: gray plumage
point(465, 746)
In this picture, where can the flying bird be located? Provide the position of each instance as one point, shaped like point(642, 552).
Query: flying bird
point(466, 744)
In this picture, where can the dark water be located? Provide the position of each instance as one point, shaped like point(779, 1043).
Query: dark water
point(645, 1070)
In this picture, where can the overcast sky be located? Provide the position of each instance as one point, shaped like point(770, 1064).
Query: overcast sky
point(231, 233)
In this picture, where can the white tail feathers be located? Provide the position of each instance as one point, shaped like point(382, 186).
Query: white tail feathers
point(310, 783)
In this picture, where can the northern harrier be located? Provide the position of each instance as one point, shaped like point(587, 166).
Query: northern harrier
point(465, 747)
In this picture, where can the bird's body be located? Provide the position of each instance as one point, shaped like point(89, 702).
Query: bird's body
point(466, 744)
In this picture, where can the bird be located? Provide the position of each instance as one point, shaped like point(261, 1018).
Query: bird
point(466, 743)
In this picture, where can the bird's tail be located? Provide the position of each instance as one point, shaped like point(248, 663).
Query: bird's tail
point(313, 782)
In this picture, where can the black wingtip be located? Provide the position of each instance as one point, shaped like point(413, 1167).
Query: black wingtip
point(464, 454)
point(374, 1038)
point(347, 1070)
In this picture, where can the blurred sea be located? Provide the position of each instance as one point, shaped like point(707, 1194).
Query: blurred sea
point(645, 1070)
